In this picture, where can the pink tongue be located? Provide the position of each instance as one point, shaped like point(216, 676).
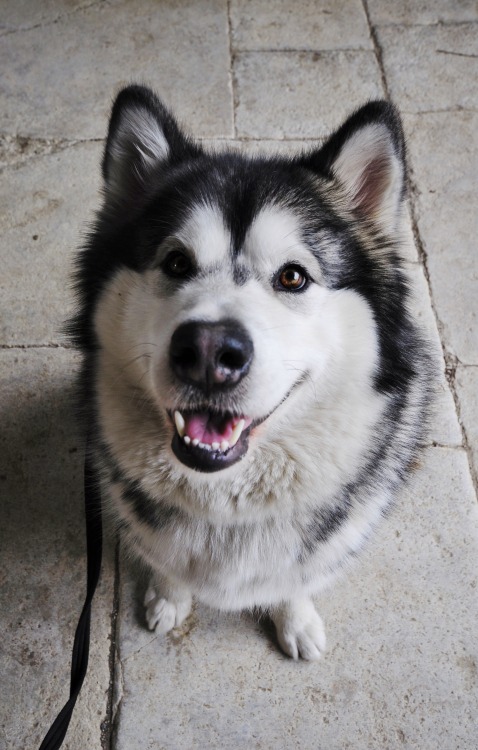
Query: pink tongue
point(211, 429)
point(201, 427)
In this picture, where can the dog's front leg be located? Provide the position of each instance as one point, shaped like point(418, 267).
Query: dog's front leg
point(300, 629)
point(167, 604)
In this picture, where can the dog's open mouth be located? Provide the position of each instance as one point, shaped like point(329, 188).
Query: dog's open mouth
point(210, 441)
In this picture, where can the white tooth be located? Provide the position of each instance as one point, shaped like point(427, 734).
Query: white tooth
point(224, 446)
point(187, 439)
point(215, 446)
point(204, 446)
point(195, 442)
point(236, 433)
point(180, 423)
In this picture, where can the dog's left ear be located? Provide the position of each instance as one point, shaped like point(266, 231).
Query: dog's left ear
point(367, 157)
point(143, 137)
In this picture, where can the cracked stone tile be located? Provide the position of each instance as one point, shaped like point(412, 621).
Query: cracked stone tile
point(301, 94)
point(258, 25)
point(23, 14)
point(430, 68)
point(16, 150)
point(42, 217)
point(444, 426)
point(444, 157)
point(59, 80)
point(466, 383)
point(43, 570)
point(401, 664)
point(422, 11)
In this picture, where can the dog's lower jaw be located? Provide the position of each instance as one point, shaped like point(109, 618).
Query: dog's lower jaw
point(299, 627)
point(208, 461)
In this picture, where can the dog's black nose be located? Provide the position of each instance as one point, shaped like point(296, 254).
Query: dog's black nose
point(211, 355)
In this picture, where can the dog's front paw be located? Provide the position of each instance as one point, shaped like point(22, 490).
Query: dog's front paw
point(300, 630)
point(163, 614)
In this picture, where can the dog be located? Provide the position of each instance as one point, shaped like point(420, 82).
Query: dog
point(254, 387)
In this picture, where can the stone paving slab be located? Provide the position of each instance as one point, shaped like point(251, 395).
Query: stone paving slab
point(400, 670)
point(42, 555)
point(444, 427)
point(421, 11)
point(301, 95)
point(304, 24)
point(443, 150)
point(430, 68)
point(42, 217)
point(57, 84)
point(23, 14)
point(466, 383)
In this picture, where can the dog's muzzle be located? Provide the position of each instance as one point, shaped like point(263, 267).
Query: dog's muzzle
point(211, 357)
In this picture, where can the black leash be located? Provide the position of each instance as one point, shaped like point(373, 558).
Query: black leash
point(79, 660)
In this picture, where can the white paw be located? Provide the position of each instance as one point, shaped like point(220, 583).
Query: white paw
point(300, 630)
point(162, 615)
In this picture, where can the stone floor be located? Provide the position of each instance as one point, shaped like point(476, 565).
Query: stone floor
point(401, 668)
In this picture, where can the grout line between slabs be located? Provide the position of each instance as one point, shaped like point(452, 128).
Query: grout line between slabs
point(107, 723)
point(377, 49)
point(23, 347)
point(433, 25)
point(235, 102)
point(451, 362)
point(46, 147)
point(52, 21)
point(301, 50)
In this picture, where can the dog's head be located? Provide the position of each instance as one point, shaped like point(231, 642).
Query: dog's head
point(235, 294)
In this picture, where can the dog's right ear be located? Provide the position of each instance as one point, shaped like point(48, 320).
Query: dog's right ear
point(142, 136)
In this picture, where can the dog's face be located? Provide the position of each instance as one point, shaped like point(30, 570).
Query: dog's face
point(234, 294)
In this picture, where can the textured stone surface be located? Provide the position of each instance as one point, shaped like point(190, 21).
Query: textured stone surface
point(304, 24)
point(466, 383)
point(400, 670)
point(430, 68)
point(42, 548)
point(58, 80)
point(444, 427)
point(42, 217)
point(422, 11)
point(301, 95)
point(443, 150)
point(23, 14)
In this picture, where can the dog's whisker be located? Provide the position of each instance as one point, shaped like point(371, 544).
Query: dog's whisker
point(144, 355)
point(145, 343)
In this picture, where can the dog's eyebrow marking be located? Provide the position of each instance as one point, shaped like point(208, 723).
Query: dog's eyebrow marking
point(240, 274)
point(206, 234)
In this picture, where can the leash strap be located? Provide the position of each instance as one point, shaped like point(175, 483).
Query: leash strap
point(79, 660)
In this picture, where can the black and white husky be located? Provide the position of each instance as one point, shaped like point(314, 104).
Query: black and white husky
point(253, 383)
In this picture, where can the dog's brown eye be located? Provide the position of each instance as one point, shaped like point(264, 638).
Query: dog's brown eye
point(178, 265)
point(291, 279)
